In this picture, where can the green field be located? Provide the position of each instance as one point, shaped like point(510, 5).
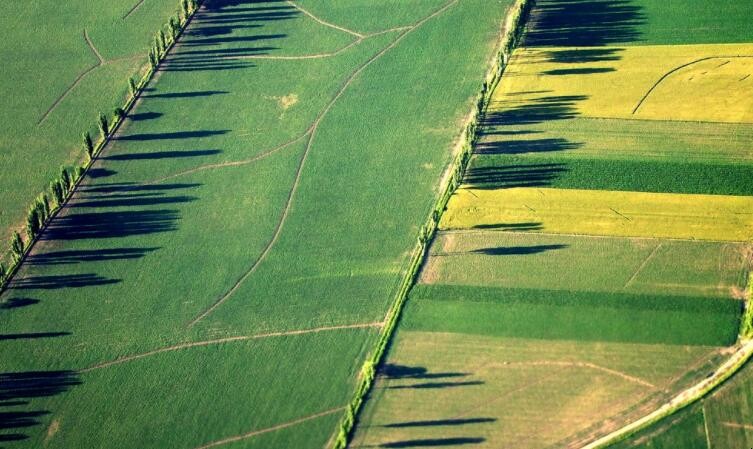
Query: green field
point(258, 188)
point(637, 22)
point(613, 154)
point(55, 85)
point(724, 419)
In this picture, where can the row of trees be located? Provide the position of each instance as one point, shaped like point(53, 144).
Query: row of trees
point(49, 202)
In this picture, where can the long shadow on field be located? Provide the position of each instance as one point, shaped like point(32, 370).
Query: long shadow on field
point(435, 442)
point(534, 111)
point(440, 422)
point(527, 226)
point(69, 257)
point(584, 23)
point(162, 155)
point(392, 371)
point(527, 146)
point(510, 176)
point(17, 389)
point(517, 250)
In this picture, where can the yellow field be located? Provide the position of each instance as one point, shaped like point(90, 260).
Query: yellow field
point(692, 82)
point(492, 392)
point(602, 212)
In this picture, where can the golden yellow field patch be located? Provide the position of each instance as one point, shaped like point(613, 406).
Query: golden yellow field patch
point(656, 82)
point(601, 212)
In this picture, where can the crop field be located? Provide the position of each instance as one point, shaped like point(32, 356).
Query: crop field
point(443, 389)
point(238, 242)
point(513, 259)
point(608, 213)
point(63, 65)
point(722, 420)
point(596, 258)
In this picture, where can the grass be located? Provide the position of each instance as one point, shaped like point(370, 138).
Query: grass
point(574, 316)
point(43, 54)
point(723, 419)
point(608, 213)
point(503, 392)
point(510, 259)
point(288, 211)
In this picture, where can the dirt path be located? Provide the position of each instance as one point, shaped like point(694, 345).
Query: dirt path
point(133, 9)
point(271, 429)
point(324, 22)
point(100, 62)
point(195, 344)
point(586, 365)
point(313, 130)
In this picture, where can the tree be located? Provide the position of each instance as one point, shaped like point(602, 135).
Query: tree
point(32, 222)
point(16, 247)
point(152, 59)
point(88, 144)
point(160, 49)
point(184, 7)
point(65, 180)
point(103, 125)
point(57, 192)
point(162, 38)
point(174, 28)
point(120, 113)
point(3, 274)
point(132, 86)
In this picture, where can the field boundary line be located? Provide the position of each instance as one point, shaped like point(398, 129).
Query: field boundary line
point(324, 22)
point(133, 9)
point(100, 62)
point(681, 400)
point(589, 365)
point(735, 425)
point(706, 427)
point(217, 341)
point(299, 171)
point(270, 429)
point(570, 234)
point(642, 265)
point(676, 69)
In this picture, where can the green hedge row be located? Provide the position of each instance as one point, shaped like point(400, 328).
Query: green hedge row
point(60, 190)
point(511, 32)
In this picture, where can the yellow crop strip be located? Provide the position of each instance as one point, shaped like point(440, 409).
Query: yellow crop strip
point(656, 82)
point(607, 213)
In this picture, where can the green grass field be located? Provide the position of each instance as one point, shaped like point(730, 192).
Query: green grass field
point(257, 190)
point(55, 85)
point(724, 419)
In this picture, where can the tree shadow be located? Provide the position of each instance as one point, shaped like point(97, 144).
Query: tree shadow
point(193, 94)
point(172, 135)
point(68, 257)
point(50, 282)
point(393, 371)
point(435, 442)
point(579, 71)
point(15, 303)
point(583, 23)
point(161, 155)
point(431, 385)
point(100, 225)
point(526, 226)
point(33, 335)
point(510, 176)
point(140, 116)
point(549, 145)
point(440, 422)
point(16, 389)
point(583, 55)
point(517, 250)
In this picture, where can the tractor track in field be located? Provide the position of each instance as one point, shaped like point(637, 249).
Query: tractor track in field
point(586, 365)
point(195, 344)
point(133, 9)
point(284, 425)
point(100, 62)
point(676, 69)
point(313, 129)
point(324, 22)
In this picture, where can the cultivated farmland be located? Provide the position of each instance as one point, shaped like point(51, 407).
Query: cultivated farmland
point(224, 268)
point(604, 222)
point(62, 65)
